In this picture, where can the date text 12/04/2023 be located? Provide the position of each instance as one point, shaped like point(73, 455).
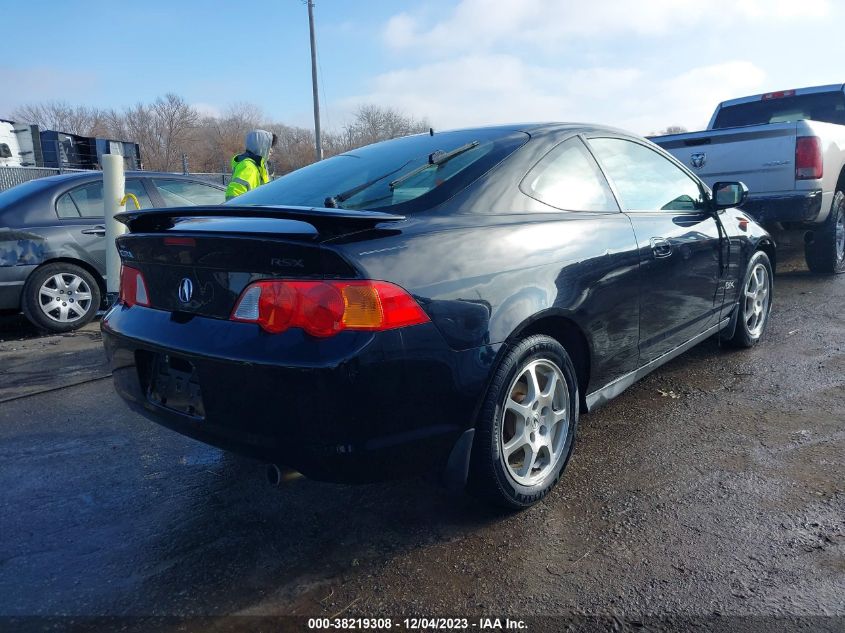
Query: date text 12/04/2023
point(449, 624)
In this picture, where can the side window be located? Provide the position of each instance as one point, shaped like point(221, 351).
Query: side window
point(181, 193)
point(569, 178)
point(136, 187)
point(66, 208)
point(645, 180)
point(89, 200)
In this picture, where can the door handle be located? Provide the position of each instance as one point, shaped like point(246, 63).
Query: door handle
point(95, 230)
point(660, 247)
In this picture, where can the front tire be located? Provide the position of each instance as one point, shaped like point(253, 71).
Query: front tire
point(60, 297)
point(825, 252)
point(755, 302)
point(526, 426)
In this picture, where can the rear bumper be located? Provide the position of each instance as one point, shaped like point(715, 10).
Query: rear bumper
point(796, 207)
point(355, 407)
point(12, 280)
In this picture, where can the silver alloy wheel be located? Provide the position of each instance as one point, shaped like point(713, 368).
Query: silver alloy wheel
point(64, 298)
point(756, 305)
point(840, 237)
point(535, 422)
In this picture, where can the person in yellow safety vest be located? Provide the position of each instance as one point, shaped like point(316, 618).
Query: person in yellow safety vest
point(249, 170)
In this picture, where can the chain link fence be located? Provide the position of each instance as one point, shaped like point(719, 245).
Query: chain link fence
point(12, 176)
point(219, 179)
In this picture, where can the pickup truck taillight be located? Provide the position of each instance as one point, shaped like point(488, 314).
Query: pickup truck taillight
point(809, 163)
point(325, 308)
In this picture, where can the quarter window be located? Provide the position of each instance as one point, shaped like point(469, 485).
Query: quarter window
point(66, 208)
point(569, 178)
point(645, 180)
point(89, 200)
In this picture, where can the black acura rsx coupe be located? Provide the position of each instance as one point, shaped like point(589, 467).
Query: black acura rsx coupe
point(446, 302)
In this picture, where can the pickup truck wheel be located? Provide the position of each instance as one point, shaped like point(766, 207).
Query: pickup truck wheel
point(526, 426)
point(60, 297)
point(825, 252)
point(755, 302)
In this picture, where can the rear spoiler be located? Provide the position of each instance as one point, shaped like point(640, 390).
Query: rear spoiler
point(326, 221)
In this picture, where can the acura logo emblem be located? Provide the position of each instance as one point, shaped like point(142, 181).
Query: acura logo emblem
point(186, 290)
point(698, 159)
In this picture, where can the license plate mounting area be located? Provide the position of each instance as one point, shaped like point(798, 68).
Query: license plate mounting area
point(175, 385)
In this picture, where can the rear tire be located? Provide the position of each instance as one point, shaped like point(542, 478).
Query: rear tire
point(526, 426)
point(755, 302)
point(60, 297)
point(825, 252)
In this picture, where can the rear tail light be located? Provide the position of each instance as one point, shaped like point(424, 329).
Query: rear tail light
point(808, 158)
point(133, 288)
point(324, 308)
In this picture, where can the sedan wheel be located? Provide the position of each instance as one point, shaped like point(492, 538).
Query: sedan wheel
point(535, 422)
point(526, 426)
point(60, 297)
point(756, 300)
point(65, 298)
point(755, 303)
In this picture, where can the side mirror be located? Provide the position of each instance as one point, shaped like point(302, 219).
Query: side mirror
point(729, 194)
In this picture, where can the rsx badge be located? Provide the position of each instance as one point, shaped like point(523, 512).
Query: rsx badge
point(282, 262)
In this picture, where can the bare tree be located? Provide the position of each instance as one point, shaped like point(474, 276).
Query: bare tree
point(220, 138)
point(169, 126)
point(373, 123)
point(174, 122)
point(61, 116)
point(673, 129)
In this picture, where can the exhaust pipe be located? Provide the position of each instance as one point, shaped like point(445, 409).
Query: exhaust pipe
point(276, 475)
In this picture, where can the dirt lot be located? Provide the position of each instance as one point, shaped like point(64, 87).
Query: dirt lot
point(716, 486)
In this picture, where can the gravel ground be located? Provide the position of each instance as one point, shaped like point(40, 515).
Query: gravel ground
point(713, 487)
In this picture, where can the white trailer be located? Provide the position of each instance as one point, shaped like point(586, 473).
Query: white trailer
point(20, 144)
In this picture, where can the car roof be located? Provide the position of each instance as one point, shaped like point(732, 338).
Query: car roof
point(547, 127)
point(95, 174)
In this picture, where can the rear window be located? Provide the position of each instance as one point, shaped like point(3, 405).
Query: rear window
point(828, 107)
point(413, 172)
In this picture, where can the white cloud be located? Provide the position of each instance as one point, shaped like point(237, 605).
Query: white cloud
point(638, 65)
point(486, 89)
point(477, 25)
point(689, 98)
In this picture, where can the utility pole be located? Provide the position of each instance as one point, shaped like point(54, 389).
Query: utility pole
point(317, 138)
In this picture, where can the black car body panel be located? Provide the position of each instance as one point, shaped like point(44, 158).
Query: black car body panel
point(349, 408)
point(487, 266)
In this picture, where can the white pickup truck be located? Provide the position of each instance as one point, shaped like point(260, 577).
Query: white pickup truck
point(788, 147)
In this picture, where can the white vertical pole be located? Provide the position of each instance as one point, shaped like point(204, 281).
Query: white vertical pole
point(114, 184)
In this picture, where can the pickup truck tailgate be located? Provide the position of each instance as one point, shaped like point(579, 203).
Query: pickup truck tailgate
point(761, 156)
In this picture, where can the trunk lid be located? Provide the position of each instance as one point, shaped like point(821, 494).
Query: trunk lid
point(198, 260)
point(761, 156)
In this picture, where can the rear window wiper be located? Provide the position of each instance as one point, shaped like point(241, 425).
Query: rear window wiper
point(438, 158)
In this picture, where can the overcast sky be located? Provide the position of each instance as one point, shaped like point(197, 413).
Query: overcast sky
point(637, 64)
